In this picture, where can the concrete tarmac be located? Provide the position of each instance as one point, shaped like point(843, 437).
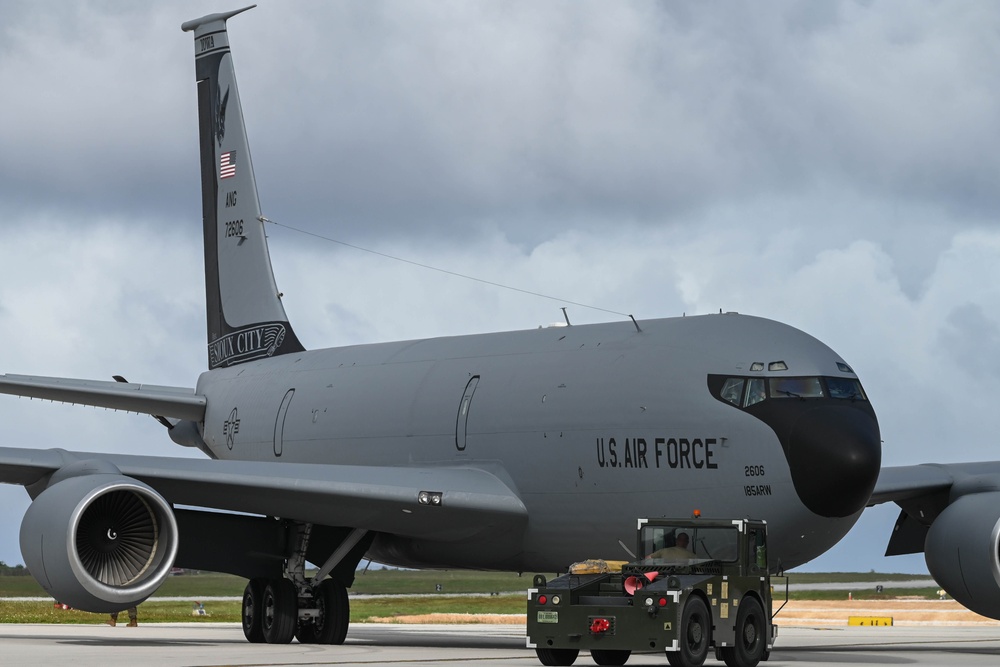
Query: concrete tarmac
point(216, 644)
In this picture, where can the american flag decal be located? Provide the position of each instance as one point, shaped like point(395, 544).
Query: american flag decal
point(227, 165)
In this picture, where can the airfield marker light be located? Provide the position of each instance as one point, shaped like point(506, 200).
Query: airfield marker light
point(542, 599)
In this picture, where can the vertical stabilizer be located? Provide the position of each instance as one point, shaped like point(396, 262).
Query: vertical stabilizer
point(246, 319)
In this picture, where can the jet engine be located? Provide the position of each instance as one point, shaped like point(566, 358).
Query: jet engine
point(99, 542)
point(962, 551)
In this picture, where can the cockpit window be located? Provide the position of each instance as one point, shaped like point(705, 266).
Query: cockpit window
point(845, 388)
point(743, 392)
point(755, 391)
point(796, 388)
point(732, 390)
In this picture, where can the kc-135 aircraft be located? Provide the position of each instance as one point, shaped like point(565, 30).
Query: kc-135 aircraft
point(518, 451)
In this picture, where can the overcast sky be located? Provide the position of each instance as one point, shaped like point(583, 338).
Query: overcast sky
point(831, 165)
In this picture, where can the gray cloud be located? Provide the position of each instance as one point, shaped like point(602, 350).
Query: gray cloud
point(436, 117)
point(972, 340)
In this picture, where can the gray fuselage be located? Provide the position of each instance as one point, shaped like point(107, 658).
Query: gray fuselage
point(592, 426)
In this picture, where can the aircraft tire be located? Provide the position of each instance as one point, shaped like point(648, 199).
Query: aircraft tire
point(750, 644)
point(556, 657)
point(335, 612)
point(251, 612)
point(305, 633)
point(696, 635)
point(280, 608)
point(610, 656)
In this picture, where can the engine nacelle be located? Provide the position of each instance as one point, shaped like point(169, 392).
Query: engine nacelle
point(99, 542)
point(962, 551)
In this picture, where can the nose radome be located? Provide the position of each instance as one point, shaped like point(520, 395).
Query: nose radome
point(834, 453)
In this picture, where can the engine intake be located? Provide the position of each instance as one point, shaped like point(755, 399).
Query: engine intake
point(962, 552)
point(99, 542)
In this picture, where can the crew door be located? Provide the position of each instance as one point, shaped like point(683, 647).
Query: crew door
point(279, 422)
point(461, 423)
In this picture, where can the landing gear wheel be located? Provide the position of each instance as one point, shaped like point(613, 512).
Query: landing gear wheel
point(280, 611)
point(334, 612)
point(251, 613)
point(305, 632)
point(751, 643)
point(610, 656)
point(554, 657)
point(696, 635)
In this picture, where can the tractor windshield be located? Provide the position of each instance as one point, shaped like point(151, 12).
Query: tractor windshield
point(689, 545)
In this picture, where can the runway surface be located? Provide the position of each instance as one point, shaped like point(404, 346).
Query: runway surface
point(197, 644)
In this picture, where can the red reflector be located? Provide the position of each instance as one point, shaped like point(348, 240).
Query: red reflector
point(542, 599)
point(599, 625)
point(663, 602)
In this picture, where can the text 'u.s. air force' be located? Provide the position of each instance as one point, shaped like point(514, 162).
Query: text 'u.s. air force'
point(695, 453)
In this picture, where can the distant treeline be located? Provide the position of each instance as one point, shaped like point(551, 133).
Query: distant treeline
point(13, 571)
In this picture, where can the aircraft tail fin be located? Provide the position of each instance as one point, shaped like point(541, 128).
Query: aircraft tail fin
point(246, 319)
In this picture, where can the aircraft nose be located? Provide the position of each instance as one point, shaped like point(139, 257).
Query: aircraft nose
point(834, 453)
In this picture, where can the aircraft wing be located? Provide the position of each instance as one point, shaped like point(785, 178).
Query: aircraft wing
point(951, 513)
point(941, 506)
point(907, 483)
point(384, 499)
point(176, 402)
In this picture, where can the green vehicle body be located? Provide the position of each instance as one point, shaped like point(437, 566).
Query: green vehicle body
point(682, 596)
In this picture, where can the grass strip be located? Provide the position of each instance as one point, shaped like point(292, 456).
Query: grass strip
point(375, 582)
point(402, 582)
point(153, 611)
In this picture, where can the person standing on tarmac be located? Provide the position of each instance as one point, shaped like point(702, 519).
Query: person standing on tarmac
point(133, 615)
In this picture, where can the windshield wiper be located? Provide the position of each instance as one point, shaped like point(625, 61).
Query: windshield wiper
point(789, 393)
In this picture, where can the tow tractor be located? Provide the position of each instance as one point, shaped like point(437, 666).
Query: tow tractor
point(697, 584)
